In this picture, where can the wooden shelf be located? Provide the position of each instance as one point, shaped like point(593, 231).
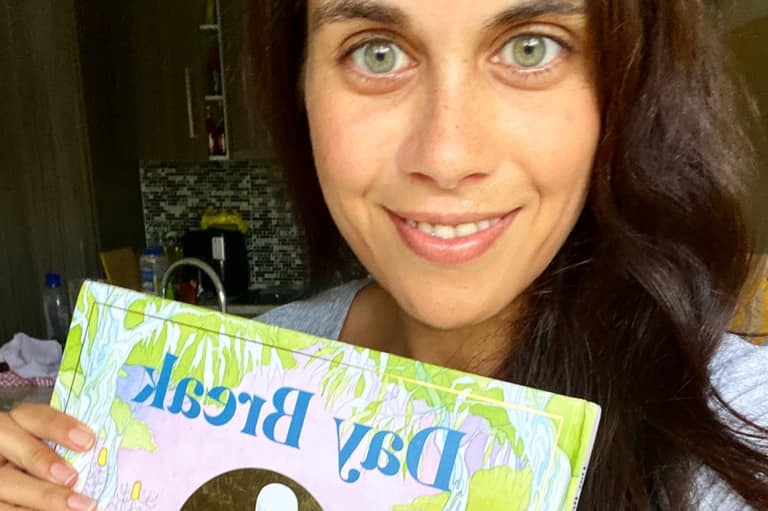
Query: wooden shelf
point(219, 101)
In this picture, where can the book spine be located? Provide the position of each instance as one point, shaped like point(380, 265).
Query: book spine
point(585, 465)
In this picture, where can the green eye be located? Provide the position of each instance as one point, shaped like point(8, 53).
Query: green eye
point(380, 57)
point(530, 51)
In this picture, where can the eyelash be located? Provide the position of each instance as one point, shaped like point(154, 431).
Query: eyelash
point(526, 75)
point(346, 54)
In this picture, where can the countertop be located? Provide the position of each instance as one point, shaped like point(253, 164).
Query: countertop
point(257, 302)
point(247, 310)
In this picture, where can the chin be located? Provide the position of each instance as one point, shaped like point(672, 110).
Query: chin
point(456, 311)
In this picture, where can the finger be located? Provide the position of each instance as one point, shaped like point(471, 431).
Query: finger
point(49, 424)
point(31, 455)
point(6, 507)
point(26, 491)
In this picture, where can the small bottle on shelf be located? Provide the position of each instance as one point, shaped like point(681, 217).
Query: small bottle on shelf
point(214, 71)
point(221, 137)
point(55, 308)
point(211, 16)
point(214, 126)
point(210, 128)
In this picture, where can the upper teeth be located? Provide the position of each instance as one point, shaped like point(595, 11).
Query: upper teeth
point(448, 232)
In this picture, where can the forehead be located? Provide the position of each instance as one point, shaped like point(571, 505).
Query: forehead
point(405, 13)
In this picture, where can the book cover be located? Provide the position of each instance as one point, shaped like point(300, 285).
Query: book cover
point(198, 410)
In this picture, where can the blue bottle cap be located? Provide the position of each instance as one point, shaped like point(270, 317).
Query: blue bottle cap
point(52, 280)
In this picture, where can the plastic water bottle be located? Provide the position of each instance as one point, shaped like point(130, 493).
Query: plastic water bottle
point(153, 265)
point(55, 308)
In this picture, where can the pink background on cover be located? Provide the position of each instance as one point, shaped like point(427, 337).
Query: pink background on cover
point(191, 452)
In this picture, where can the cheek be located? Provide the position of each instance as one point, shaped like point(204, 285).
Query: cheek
point(350, 147)
point(351, 140)
point(330, 145)
point(561, 140)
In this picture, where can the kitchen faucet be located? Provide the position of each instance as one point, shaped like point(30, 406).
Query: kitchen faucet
point(201, 265)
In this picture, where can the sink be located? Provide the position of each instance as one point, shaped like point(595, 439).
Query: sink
point(272, 296)
point(256, 302)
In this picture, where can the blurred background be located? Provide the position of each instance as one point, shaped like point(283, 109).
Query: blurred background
point(128, 144)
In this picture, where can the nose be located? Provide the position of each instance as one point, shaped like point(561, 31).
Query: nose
point(449, 142)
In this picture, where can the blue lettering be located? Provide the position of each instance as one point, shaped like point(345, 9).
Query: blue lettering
point(160, 388)
point(297, 415)
point(290, 406)
point(345, 451)
point(253, 411)
point(376, 449)
point(181, 392)
point(447, 456)
point(229, 407)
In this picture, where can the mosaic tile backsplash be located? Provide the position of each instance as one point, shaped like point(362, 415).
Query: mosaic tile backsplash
point(175, 196)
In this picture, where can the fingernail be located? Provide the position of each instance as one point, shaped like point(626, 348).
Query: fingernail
point(81, 437)
point(81, 503)
point(63, 473)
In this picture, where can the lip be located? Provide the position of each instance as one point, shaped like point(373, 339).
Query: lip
point(450, 251)
point(449, 218)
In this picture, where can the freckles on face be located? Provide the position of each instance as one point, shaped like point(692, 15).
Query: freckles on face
point(453, 146)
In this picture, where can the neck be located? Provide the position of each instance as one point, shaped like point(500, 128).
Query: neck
point(376, 321)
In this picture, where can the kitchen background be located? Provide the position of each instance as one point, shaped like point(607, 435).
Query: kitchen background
point(126, 119)
point(176, 194)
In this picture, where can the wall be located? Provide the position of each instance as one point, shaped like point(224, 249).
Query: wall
point(749, 43)
point(46, 223)
point(68, 180)
point(110, 113)
point(175, 196)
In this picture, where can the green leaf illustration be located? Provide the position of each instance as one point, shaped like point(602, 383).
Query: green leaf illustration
point(135, 318)
point(500, 484)
point(487, 488)
point(135, 434)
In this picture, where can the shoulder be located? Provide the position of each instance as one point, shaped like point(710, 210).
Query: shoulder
point(322, 315)
point(739, 373)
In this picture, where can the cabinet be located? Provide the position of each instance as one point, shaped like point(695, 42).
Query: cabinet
point(248, 138)
point(172, 44)
point(166, 54)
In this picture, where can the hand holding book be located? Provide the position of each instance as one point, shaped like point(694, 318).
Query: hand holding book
point(32, 475)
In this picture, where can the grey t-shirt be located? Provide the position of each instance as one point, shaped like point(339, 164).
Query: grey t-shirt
point(739, 373)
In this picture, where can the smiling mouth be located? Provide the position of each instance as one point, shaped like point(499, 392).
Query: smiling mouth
point(449, 232)
point(451, 239)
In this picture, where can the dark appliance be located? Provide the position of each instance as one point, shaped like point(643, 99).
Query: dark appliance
point(225, 251)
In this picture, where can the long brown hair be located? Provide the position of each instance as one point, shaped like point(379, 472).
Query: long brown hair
point(634, 306)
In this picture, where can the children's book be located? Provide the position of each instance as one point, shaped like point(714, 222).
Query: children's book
point(198, 410)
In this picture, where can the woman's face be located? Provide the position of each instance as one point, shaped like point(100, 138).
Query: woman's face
point(453, 141)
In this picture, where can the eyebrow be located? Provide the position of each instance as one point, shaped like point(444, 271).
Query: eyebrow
point(532, 9)
point(332, 11)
